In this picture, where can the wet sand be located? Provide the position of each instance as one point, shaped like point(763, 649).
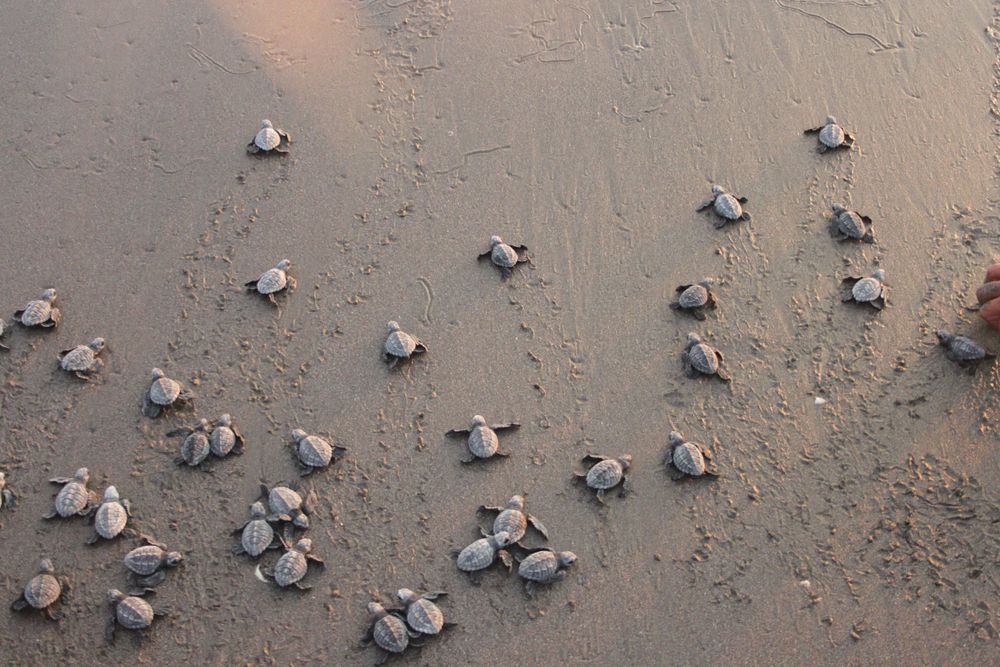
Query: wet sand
point(589, 132)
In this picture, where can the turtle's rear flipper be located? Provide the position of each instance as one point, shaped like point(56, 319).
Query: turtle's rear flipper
point(93, 538)
point(17, 314)
point(51, 515)
point(878, 303)
point(675, 474)
point(742, 200)
point(746, 217)
point(848, 141)
point(505, 273)
point(868, 237)
point(420, 348)
point(723, 374)
point(381, 656)
point(600, 496)
point(720, 222)
point(529, 588)
point(302, 587)
point(4, 348)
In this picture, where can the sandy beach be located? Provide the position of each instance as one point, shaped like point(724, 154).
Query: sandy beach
point(860, 530)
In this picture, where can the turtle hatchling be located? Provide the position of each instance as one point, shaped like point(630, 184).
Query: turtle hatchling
point(287, 505)
point(504, 256)
point(727, 207)
point(512, 520)
point(7, 497)
point(388, 631)
point(269, 140)
point(421, 614)
point(195, 448)
point(129, 611)
point(225, 438)
point(74, 498)
point(314, 452)
point(606, 474)
point(149, 563)
point(544, 566)
point(831, 136)
point(870, 290)
point(256, 535)
point(964, 351)
point(400, 345)
point(43, 591)
point(846, 224)
point(700, 358)
point(163, 393)
point(273, 281)
point(40, 313)
point(483, 552)
point(688, 458)
point(82, 360)
point(3, 330)
point(111, 516)
point(481, 439)
point(292, 567)
point(695, 298)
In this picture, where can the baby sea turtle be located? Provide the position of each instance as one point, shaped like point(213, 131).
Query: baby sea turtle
point(846, 224)
point(512, 520)
point(388, 631)
point(606, 474)
point(831, 136)
point(149, 563)
point(504, 256)
point(688, 458)
point(225, 438)
point(111, 516)
point(400, 345)
point(421, 614)
point(544, 566)
point(695, 298)
point(871, 290)
point(3, 330)
point(483, 552)
point(43, 591)
point(269, 140)
point(163, 393)
point(82, 360)
point(7, 497)
point(965, 351)
point(40, 313)
point(256, 535)
point(129, 611)
point(728, 208)
point(195, 448)
point(482, 440)
point(314, 452)
point(700, 358)
point(273, 281)
point(74, 498)
point(293, 566)
point(287, 505)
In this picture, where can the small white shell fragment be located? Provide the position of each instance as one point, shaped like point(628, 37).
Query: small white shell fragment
point(820, 400)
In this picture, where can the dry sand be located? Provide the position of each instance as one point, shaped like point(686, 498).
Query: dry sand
point(589, 131)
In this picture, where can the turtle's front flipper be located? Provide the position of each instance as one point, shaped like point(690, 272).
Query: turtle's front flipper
point(302, 587)
point(19, 603)
point(150, 409)
point(54, 317)
point(505, 558)
point(152, 580)
point(109, 629)
point(504, 427)
point(179, 431)
point(17, 314)
point(529, 588)
point(538, 526)
point(822, 148)
point(723, 374)
point(600, 496)
point(458, 432)
point(251, 284)
point(705, 206)
point(253, 148)
point(813, 130)
point(420, 348)
point(878, 303)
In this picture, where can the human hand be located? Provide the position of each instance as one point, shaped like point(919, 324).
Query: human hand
point(989, 297)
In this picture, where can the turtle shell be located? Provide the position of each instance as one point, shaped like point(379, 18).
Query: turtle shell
point(164, 391)
point(195, 448)
point(851, 224)
point(966, 349)
point(513, 522)
point(267, 139)
point(134, 613)
point(144, 560)
point(80, 358)
point(728, 206)
point(478, 555)
point(257, 537)
point(272, 280)
point(540, 566)
point(687, 458)
point(36, 312)
point(866, 289)
point(483, 442)
point(110, 520)
point(605, 474)
point(222, 441)
point(400, 344)
point(315, 452)
point(424, 616)
point(832, 135)
point(390, 634)
point(42, 591)
point(290, 568)
point(694, 296)
point(283, 500)
point(504, 256)
point(703, 358)
point(72, 499)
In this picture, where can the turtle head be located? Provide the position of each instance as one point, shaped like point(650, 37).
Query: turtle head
point(676, 438)
point(516, 503)
point(49, 295)
point(830, 120)
point(115, 595)
point(944, 336)
point(173, 559)
point(111, 495)
point(46, 566)
point(225, 420)
point(707, 282)
point(501, 539)
point(566, 558)
point(158, 373)
point(717, 190)
point(625, 460)
point(301, 520)
point(97, 344)
point(304, 545)
point(406, 595)
point(203, 424)
point(264, 124)
point(298, 435)
point(376, 610)
point(257, 510)
point(3, 479)
point(838, 209)
point(879, 275)
point(495, 240)
point(478, 420)
point(82, 475)
point(284, 264)
point(693, 339)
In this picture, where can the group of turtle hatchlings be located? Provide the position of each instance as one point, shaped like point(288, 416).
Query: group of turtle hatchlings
point(395, 629)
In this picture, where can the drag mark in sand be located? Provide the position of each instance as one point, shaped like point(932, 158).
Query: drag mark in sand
point(203, 58)
point(430, 299)
point(466, 156)
point(882, 46)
